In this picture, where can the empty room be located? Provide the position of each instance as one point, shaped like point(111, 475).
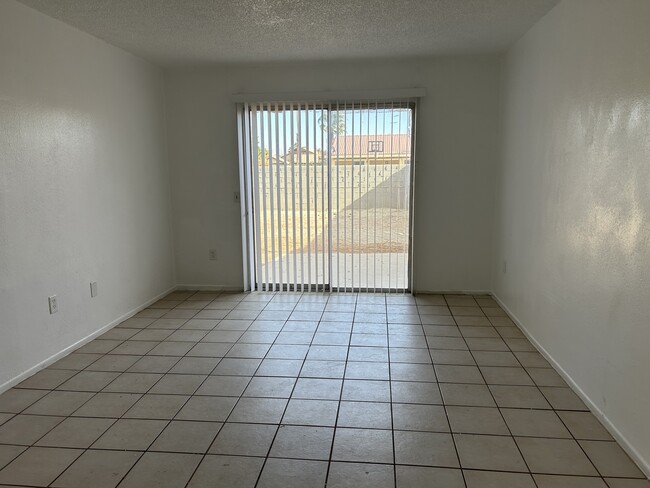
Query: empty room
point(344, 244)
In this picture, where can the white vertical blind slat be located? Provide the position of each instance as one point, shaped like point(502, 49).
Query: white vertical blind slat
point(262, 193)
point(359, 189)
point(374, 261)
point(315, 175)
point(302, 248)
point(286, 197)
point(293, 199)
point(390, 210)
point(407, 200)
point(269, 113)
point(278, 184)
point(345, 206)
point(330, 172)
point(399, 131)
point(353, 246)
point(323, 165)
point(309, 281)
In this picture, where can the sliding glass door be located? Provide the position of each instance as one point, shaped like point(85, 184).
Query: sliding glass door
point(329, 195)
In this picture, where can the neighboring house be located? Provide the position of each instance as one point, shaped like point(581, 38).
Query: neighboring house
point(273, 159)
point(371, 149)
point(303, 155)
point(366, 149)
point(295, 155)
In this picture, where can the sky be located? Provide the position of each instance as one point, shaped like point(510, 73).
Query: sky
point(364, 121)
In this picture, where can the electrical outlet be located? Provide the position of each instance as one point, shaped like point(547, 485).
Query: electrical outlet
point(505, 267)
point(93, 289)
point(212, 254)
point(54, 306)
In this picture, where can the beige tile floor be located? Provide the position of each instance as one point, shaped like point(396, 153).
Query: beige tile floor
point(288, 390)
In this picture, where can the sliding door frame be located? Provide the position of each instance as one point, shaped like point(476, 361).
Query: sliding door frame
point(248, 197)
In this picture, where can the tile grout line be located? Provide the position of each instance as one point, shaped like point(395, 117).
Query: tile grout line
point(494, 399)
point(156, 437)
point(552, 409)
point(169, 421)
point(444, 406)
point(70, 415)
point(338, 407)
point(203, 456)
point(347, 360)
point(390, 397)
point(266, 458)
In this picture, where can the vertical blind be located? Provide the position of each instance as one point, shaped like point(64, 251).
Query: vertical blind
point(329, 194)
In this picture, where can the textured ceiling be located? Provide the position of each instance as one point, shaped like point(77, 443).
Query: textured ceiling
point(173, 32)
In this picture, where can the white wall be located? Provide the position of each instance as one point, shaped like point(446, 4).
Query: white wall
point(84, 186)
point(575, 202)
point(456, 158)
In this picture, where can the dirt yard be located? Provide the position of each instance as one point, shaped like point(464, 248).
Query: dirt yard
point(381, 230)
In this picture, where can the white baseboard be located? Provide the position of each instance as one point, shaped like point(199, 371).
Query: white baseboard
point(52, 359)
point(452, 292)
point(211, 288)
point(642, 463)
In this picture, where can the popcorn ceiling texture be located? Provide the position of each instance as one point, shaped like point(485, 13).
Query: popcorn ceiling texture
point(172, 32)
